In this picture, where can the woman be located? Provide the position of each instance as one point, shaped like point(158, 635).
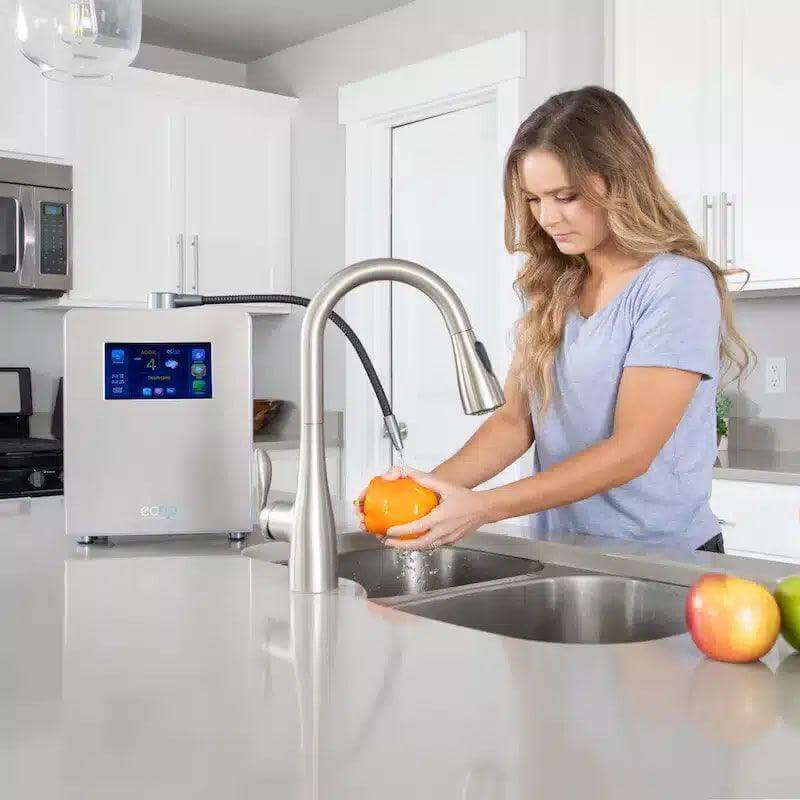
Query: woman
point(618, 357)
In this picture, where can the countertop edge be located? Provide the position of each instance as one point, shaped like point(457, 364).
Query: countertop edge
point(756, 476)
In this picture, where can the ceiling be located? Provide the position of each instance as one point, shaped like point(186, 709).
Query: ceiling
point(245, 30)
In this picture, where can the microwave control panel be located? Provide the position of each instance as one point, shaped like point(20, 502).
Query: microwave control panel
point(53, 247)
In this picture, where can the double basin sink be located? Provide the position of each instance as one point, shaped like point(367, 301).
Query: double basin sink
point(517, 597)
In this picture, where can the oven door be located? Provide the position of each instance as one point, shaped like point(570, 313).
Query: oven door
point(17, 232)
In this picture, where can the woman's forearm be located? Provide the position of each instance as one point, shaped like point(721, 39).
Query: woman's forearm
point(498, 443)
point(601, 467)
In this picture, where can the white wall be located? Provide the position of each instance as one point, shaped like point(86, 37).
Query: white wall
point(565, 50)
point(190, 65)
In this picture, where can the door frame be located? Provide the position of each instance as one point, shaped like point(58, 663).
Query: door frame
point(370, 109)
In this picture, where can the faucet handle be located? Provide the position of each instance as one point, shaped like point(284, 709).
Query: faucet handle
point(273, 519)
point(263, 478)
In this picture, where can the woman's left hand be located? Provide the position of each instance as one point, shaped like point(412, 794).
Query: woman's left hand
point(460, 512)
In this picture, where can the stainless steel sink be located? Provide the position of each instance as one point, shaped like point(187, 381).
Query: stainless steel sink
point(384, 572)
point(576, 609)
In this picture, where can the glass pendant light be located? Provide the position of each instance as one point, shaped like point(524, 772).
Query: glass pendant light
point(79, 38)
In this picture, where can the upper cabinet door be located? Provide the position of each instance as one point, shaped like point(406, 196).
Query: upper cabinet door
point(29, 121)
point(666, 67)
point(237, 201)
point(126, 150)
point(761, 74)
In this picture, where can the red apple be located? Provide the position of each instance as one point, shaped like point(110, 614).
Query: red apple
point(732, 619)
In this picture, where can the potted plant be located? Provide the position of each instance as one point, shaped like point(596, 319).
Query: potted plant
point(723, 412)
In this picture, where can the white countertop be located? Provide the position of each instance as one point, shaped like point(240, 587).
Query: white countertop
point(181, 669)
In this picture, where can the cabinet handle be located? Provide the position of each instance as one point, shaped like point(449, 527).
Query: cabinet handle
point(708, 206)
point(181, 262)
point(732, 206)
point(727, 202)
point(196, 247)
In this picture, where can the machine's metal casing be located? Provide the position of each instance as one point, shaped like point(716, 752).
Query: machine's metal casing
point(145, 467)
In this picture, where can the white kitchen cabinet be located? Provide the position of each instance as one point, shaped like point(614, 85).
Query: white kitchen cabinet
point(29, 123)
point(179, 185)
point(125, 147)
point(286, 462)
point(711, 83)
point(237, 209)
point(761, 81)
point(758, 520)
point(666, 67)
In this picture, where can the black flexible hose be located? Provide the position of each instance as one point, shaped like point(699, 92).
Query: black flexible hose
point(296, 300)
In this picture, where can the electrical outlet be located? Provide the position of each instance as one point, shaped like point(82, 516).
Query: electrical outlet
point(775, 375)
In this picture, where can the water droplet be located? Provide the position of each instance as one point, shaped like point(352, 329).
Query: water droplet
point(402, 462)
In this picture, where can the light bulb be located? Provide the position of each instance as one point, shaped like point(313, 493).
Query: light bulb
point(81, 23)
point(68, 39)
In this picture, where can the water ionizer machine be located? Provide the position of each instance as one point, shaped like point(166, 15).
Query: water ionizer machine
point(158, 428)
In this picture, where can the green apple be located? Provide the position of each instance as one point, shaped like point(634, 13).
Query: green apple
point(788, 596)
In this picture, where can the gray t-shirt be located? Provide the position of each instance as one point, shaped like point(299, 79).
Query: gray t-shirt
point(668, 316)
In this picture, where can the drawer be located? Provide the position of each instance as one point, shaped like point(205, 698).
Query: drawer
point(760, 519)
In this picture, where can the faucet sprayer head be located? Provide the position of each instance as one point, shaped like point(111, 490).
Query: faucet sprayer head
point(480, 390)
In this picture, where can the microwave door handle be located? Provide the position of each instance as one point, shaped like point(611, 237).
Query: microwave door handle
point(22, 237)
point(27, 228)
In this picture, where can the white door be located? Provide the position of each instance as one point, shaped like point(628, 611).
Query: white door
point(667, 68)
point(445, 216)
point(128, 192)
point(232, 191)
point(761, 71)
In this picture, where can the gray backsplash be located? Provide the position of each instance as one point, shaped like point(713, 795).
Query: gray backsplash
point(33, 339)
point(760, 421)
point(772, 328)
point(762, 433)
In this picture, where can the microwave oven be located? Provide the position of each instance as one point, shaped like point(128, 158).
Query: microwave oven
point(35, 229)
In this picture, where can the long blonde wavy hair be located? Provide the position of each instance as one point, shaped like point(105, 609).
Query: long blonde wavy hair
point(593, 132)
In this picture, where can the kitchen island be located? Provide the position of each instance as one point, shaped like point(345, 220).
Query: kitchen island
point(178, 668)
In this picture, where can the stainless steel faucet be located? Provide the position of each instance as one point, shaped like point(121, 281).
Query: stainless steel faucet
point(308, 523)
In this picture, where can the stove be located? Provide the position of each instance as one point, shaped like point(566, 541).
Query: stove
point(29, 467)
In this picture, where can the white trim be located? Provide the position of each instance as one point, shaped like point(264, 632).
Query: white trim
point(764, 288)
point(489, 72)
point(448, 76)
point(609, 44)
point(179, 87)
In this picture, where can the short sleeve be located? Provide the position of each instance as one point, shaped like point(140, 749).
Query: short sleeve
point(677, 324)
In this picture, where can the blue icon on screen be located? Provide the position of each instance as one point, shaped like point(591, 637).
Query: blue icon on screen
point(171, 363)
point(117, 356)
point(171, 390)
point(147, 392)
point(198, 354)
